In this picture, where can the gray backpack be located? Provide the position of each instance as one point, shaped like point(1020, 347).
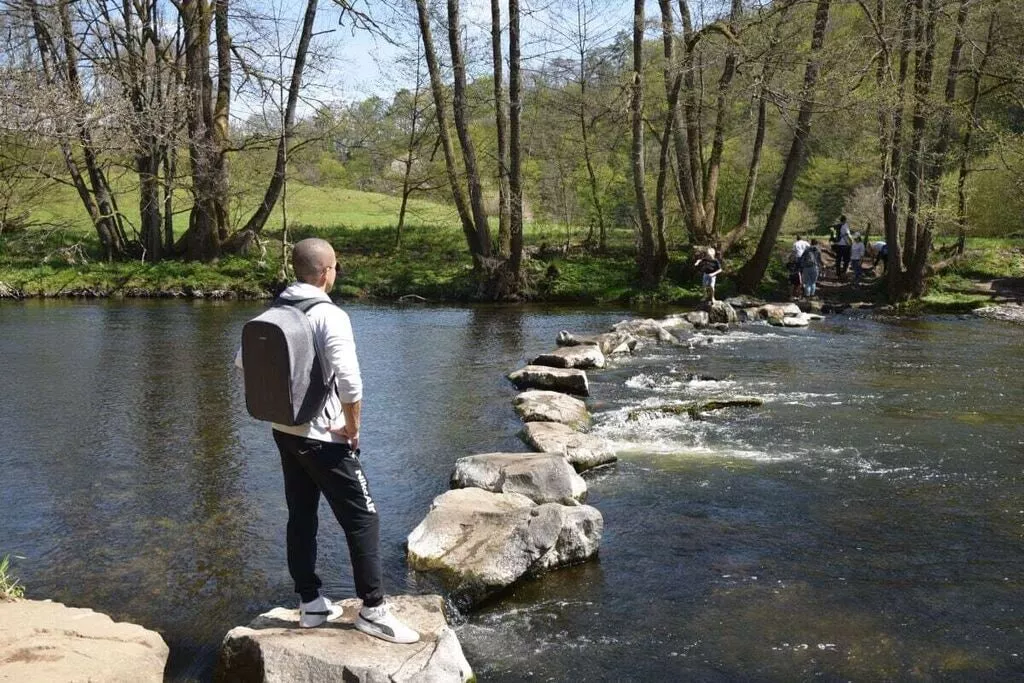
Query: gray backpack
point(287, 379)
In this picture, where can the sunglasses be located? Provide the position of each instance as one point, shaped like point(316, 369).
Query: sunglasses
point(337, 268)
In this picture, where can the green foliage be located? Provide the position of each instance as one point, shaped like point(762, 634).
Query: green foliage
point(9, 586)
point(825, 186)
point(995, 205)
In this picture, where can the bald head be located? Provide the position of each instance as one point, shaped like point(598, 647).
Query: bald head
point(310, 258)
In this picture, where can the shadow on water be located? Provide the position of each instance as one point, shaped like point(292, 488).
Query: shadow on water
point(863, 524)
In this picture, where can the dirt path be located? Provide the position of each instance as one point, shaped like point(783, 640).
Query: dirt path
point(999, 290)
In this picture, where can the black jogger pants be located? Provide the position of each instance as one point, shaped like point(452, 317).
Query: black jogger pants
point(313, 467)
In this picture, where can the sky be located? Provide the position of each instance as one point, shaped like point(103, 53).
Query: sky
point(362, 64)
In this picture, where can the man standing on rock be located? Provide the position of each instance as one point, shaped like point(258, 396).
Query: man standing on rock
point(322, 457)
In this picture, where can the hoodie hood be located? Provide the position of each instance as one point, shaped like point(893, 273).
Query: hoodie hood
point(297, 291)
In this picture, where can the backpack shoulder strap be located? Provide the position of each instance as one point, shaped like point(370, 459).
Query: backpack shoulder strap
point(303, 305)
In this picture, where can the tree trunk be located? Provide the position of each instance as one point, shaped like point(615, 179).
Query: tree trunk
point(743, 224)
point(438, 90)
point(48, 62)
point(937, 160)
point(718, 144)
point(515, 148)
point(148, 168)
point(965, 144)
point(595, 193)
point(645, 258)
point(892, 151)
point(170, 163)
point(460, 112)
point(501, 126)
point(221, 117)
point(203, 238)
point(753, 271)
point(409, 158)
point(108, 222)
point(686, 136)
point(259, 218)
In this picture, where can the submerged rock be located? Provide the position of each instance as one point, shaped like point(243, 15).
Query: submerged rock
point(583, 451)
point(479, 543)
point(537, 405)
point(541, 477)
point(582, 356)
point(802, 320)
point(676, 323)
point(568, 380)
point(610, 343)
point(644, 328)
point(46, 641)
point(695, 409)
point(272, 649)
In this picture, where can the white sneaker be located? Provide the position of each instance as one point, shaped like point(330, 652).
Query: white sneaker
point(379, 622)
point(316, 612)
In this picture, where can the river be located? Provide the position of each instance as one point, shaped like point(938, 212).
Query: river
point(866, 523)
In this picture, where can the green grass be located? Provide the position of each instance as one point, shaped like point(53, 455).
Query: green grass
point(9, 586)
point(432, 260)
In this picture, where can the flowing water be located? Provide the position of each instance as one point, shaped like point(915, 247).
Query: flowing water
point(865, 523)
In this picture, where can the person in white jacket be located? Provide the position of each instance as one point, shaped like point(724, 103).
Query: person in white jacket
point(322, 457)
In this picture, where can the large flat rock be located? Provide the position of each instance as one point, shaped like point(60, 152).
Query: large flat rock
point(479, 543)
point(583, 451)
point(567, 380)
point(273, 649)
point(541, 477)
point(47, 642)
point(581, 356)
point(537, 405)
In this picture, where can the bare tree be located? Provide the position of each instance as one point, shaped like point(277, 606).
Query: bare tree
point(752, 272)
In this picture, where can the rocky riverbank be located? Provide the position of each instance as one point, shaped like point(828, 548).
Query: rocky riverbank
point(47, 642)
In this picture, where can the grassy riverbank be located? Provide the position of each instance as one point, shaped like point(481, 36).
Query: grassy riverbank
point(59, 256)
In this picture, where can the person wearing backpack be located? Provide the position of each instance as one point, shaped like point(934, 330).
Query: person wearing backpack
point(314, 407)
point(810, 266)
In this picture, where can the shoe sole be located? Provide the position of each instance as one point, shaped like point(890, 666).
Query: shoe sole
point(371, 630)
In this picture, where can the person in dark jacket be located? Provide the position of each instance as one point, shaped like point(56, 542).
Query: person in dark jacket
point(710, 268)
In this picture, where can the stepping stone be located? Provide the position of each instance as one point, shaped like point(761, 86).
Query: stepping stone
point(583, 451)
point(273, 649)
point(541, 477)
point(479, 543)
point(537, 405)
point(583, 356)
point(568, 380)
